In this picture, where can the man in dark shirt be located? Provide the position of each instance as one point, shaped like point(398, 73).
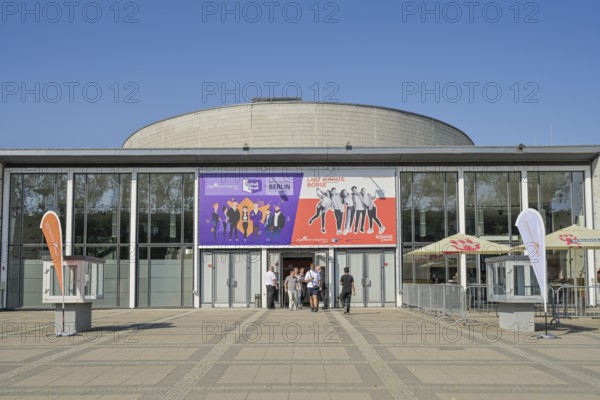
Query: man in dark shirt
point(348, 289)
point(323, 287)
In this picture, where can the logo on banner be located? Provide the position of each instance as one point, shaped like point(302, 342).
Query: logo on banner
point(251, 186)
point(570, 240)
point(466, 245)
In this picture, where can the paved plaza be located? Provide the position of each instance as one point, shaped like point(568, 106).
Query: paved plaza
point(258, 354)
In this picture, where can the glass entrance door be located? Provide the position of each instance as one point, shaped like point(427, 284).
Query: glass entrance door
point(373, 279)
point(367, 269)
point(227, 278)
point(221, 279)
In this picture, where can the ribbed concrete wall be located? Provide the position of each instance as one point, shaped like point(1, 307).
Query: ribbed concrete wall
point(298, 124)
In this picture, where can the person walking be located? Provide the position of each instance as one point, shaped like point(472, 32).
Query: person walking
point(323, 287)
point(348, 290)
point(271, 283)
point(300, 286)
point(312, 278)
point(290, 285)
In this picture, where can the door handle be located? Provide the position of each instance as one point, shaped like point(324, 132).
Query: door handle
point(228, 282)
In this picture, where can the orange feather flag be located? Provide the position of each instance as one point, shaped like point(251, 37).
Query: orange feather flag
point(52, 230)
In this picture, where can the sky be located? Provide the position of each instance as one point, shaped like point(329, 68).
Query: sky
point(87, 74)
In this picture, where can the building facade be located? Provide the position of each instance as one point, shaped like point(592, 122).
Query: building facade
point(192, 210)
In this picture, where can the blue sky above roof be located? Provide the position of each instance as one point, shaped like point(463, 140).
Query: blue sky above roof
point(88, 74)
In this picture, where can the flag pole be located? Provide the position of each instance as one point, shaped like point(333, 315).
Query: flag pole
point(63, 296)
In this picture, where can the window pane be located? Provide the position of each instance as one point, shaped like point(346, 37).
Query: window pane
point(406, 204)
point(42, 193)
point(188, 208)
point(492, 204)
point(469, 203)
point(16, 208)
point(165, 208)
point(102, 208)
point(125, 202)
point(14, 278)
point(428, 199)
point(578, 202)
point(532, 190)
point(31, 259)
point(79, 189)
point(451, 188)
point(143, 207)
point(142, 277)
point(556, 200)
point(165, 277)
point(515, 201)
point(111, 274)
point(188, 277)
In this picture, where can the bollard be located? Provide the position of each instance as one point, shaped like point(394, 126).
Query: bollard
point(257, 301)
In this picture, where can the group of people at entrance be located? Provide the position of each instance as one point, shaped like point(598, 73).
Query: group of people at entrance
point(299, 284)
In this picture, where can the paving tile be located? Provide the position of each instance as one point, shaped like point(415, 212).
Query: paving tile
point(372, 357)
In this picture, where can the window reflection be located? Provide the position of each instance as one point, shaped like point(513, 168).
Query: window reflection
point(492, 203)
point(102, 205)
point(31, 196)
point(428, 202)
point(166, 208)
point(558, 196)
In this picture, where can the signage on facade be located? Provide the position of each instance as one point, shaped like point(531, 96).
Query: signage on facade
point(337, 207)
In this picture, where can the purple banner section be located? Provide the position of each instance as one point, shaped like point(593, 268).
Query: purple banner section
point(247, 211)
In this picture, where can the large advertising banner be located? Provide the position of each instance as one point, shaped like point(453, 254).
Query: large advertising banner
point(343, 207)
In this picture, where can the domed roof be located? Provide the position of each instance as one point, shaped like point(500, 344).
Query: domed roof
point(296, 124)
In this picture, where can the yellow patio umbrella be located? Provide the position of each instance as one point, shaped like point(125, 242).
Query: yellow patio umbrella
point(462, 244)
point(570, 238)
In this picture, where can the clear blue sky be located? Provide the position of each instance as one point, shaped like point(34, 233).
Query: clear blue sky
point(156, 59)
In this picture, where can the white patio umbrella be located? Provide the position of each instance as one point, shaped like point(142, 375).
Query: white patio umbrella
point(461, 244)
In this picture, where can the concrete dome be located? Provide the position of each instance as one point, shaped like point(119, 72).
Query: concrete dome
point(297, 124)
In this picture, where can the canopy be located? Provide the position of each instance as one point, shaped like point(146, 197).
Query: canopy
point(462, 244)
point(573, 237)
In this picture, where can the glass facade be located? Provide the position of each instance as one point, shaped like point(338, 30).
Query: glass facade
point(164, 216)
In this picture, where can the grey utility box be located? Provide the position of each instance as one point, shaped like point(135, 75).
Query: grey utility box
point(512, 283)
point(83, 281)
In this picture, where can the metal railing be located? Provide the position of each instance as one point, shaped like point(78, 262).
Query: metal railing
point(443, 300)
point(570, 301)
point(477, 301)
point(454, 302)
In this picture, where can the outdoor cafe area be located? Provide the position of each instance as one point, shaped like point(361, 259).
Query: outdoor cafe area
point(441, 286)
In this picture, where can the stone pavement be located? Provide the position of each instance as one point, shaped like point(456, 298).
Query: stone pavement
point(257, 354)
